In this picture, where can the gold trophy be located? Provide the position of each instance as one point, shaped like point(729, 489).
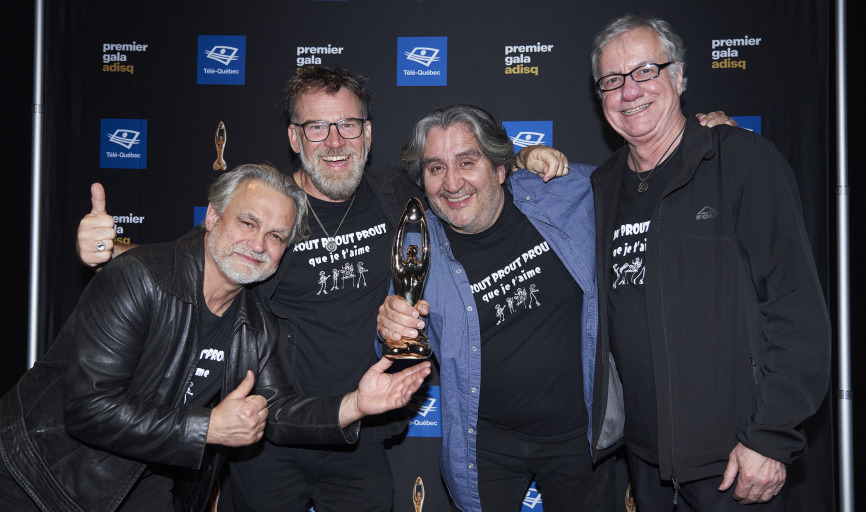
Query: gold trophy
point(410, 272)
point(219, 139)
point(418, 494)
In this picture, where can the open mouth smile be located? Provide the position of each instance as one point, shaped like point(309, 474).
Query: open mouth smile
point(341, 158)
point(458, 199)
point(633, 111)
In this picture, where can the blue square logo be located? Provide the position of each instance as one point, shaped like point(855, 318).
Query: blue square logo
point(222, 60)
point(529, 133)
point(422, 61)
point(123, 144)
point(427, 421)
point(752, 123)
point(532, 500)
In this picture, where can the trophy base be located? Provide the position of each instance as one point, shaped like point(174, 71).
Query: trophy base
point(408, 348)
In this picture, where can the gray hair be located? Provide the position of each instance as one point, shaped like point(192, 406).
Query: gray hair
point(224, 188)
point(492, 138)
point(671, 43)
point(327, 79)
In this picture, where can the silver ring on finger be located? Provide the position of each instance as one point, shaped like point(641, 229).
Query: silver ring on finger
point(100, 245)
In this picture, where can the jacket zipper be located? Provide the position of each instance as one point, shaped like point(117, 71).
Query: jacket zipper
point(676, 489)
point(667, 355)
point(754, 368)
point(674, 478)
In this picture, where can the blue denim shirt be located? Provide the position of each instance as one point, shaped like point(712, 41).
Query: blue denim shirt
point(562, 211)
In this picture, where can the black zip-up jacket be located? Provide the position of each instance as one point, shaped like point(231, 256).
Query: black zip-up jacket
point(82, 425)
point(738, 323)
point(392, 189)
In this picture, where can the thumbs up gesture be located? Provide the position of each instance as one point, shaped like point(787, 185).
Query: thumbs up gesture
point(240, 418)
point(96, 231)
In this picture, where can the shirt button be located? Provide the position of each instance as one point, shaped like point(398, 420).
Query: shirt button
point(471, 430)
point(474, 390)
point(474, 348)
point(528, 198)
point(458, 270)
point(469, 308)
point(471, 465)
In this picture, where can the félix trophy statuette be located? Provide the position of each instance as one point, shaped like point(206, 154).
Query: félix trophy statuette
point(219, 140)
point(410, 272)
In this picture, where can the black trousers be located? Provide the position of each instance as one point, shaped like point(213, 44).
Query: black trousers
point(563, 472)
point(656, 495)
point(335, 478)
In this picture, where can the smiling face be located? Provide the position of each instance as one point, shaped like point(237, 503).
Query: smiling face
point(247, 240)
point(642, 112)
point(334, 165)
point(462, 186)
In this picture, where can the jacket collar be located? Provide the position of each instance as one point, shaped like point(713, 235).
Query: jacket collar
point(696, 146)
point(188, 266)
point(188, 276)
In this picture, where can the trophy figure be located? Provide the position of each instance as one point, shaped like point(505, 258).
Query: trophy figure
point(410, 272)
point(219, 140)
point(418, 494)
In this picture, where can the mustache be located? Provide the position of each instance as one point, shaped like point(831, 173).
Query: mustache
point(462, 192)
point(261, 257)
point(341, 151)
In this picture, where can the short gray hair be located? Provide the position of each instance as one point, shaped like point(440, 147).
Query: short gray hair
point(671, 43)
point(492, 138)
point(224, 188)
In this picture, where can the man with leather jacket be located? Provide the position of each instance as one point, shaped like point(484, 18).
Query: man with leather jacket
point(153, 375)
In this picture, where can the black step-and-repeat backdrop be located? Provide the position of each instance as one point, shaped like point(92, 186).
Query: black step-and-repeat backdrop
point(149, 97)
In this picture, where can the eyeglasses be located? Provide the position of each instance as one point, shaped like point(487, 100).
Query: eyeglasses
point(642, 73)
point(317, 131)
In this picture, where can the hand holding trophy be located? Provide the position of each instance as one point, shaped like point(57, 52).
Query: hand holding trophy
point(410, 272)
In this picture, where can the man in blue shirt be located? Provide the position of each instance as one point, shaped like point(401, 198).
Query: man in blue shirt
point(512, 296)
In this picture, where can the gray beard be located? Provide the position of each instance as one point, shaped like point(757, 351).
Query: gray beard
point(253, 275)
point(335, 189)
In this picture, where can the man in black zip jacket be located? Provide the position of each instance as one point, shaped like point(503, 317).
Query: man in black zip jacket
point(714, 313)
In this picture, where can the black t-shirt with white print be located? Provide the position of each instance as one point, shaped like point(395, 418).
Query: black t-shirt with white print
point(214, 341)
point(627, 312)
point(334, 297)
point(529, 310)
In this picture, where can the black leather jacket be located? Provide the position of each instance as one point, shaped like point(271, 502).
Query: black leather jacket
point(105, 402)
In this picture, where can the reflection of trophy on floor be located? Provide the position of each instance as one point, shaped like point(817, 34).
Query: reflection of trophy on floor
point(410, 272)
point(418, 494)
point(219, 140)
point(630, 505)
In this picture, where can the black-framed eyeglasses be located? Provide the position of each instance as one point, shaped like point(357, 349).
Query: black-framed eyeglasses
point(642, 73)
point(317, 131)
